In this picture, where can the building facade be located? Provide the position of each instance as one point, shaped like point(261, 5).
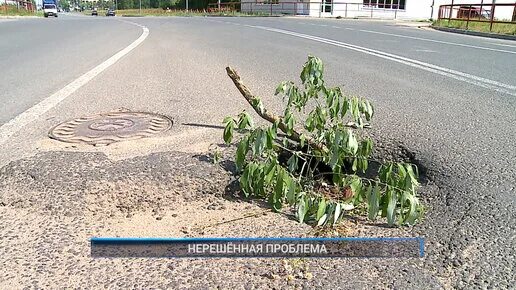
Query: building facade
point(383, 9)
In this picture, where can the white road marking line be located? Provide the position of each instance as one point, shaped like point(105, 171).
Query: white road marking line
point(439, 41)
point(14, 125)
point(461, 76)
point(336, 27)
point(508, 45)
point(425, 50)
point(348, 28)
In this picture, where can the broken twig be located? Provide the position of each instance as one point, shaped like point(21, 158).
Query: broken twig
point(253, 101)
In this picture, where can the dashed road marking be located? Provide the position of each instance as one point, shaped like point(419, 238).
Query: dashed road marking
point(458, 75)
point(507, 45)
point(439, 41)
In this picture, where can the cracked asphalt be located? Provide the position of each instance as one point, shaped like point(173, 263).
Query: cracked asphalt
point(448, 99)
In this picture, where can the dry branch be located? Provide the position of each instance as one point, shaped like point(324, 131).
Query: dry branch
point(253, 101)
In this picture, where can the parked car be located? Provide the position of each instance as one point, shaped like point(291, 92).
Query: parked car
point(94, 12)
point(49, 10)
point(110, 12)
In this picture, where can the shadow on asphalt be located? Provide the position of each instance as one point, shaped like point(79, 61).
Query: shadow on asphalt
point(232, 191)
point(203, 125)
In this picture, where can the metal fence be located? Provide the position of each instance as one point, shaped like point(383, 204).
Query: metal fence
point(484, 12)
point(17, 5)
point(326, 8)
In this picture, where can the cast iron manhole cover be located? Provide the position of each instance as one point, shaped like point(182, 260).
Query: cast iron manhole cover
point(107, 128)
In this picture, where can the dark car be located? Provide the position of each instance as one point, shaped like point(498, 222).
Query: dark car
point(110, 12)
point(94, 12)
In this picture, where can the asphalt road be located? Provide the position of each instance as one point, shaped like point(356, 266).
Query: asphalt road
point(449, 99)
point(40, 57)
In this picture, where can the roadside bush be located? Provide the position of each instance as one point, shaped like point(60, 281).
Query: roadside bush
point(317, 160)
point(168, 4)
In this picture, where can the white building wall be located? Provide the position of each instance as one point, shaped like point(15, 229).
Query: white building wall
point(414, 9)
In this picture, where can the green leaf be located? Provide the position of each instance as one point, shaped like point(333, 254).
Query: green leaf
point(402, 172)
point(217, 155)
point(344, 107)
point(386, 173)
point(246, 179)
point(260, 142)
point(269, 138)
point(309, 123)
point(312, 73)
point(368, 110)
point(276, 199)
point(352, 142)
point(291, 192)
point(228, 119)
point(339, 136)
point(413, 175)
point(270, 170)
point(364, 164)
point(289, 122)
point(355, 110)
point(413, 213)
point(243, 184)
point(292, 163)
point(302, 209)
point(241, 153)
point(245, 121)
point(373, 202)
point(330, 97)
point(282, 87)
point(366, 147)
point(321, 209)
point(356, 185)
point(322, 220)
point(259, 182)
point(391, 206)
point(334, 158)
point(228, 131)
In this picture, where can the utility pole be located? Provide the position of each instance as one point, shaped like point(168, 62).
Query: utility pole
point(451, 12)
point(186, 5)
point(493, 6)
point(140, 6)
point(431, 13)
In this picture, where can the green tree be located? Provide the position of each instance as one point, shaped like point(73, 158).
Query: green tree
point(322, 137)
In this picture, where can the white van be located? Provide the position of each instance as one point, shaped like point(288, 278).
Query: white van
point(49, 10)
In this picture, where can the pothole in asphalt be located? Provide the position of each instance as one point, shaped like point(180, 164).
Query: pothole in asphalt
point(107, 128)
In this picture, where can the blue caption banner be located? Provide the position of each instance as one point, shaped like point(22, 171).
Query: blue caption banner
point(257, 247)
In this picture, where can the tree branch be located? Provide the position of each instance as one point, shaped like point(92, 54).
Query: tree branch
point(262, 112)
